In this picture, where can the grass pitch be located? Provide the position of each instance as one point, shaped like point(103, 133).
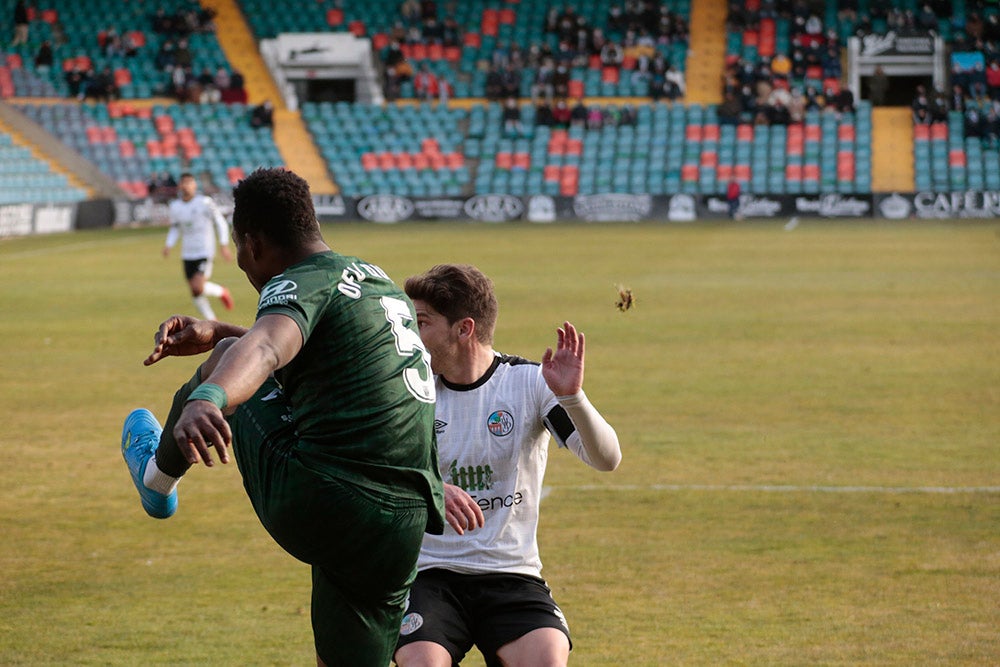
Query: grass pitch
point(810, 422)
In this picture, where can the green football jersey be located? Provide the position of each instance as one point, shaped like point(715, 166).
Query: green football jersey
point(361, 387)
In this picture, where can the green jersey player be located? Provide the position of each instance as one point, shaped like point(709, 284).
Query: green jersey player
point(328, 401)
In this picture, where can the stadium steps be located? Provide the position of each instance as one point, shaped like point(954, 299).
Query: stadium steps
point(290, 134)
point(892, 149)
point(707, 54)
point(44, 146)
point(300, 152)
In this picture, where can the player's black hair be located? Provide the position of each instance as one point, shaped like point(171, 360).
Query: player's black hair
point(276, 203)
point(457, 291)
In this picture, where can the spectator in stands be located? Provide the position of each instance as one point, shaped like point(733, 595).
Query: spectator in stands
point(843, 100)
point(730, 109)
point(973, 121)
point(991, 127)
point(210, 93)
point(21, 24)
point(76, 82)
point(510, 82)
point(957, 99)
point(543, 85)
point(262, 115)
point(977, 82)
point(920, 102)
point(58, 33)
point(410, 11)
point(237, 84)
point(425, 83)
point(165, 58)
point(628, 116)
point(778, 113)
point(595, 118)
point(781, 67)
point(939, 107)
point(993, 79)
point(44, 56)
point(494, 84)
point(543, 114)
point(612, 55)
point(560, 79)
point(878, 86)
point(673, 87)
point(103, 88)
point(512, 117)
point(182, 55)
point(561, 114)
point(110, 42)
point(130, 47)
point(578, 114)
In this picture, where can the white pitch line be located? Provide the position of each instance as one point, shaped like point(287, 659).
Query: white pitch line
point(775, 488)
point(69, 247)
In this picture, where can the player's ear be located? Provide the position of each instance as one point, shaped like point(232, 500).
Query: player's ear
point(466, 328)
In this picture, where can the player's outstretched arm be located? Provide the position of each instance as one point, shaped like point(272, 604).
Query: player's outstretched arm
point(182, 335)
point(563, 373)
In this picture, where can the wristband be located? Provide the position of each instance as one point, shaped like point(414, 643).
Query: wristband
point(210, 392)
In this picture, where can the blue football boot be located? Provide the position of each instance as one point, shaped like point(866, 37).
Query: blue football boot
point(140, 438)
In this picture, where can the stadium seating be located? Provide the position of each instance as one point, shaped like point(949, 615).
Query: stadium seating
point(24, 179)
point(131, 144)
point(83, 24)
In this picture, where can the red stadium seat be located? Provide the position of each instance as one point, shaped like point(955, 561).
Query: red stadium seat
point(430, 146)
point(610, 75)
point(724, 172)
point(742, 172)
point(709, 159)
point(710, 132)
point(452, 54)
point(126, 148)
point(507, 16)
point(473, 39)
point(813, 133)
point(921, 132)
point(939, 131)
point(693, 133)
point(574, 146)
point(845, 132)
point(123, 76)
point(369, 161)
point(404, 161)
point(956, 158)
point(454, 160)
point(420, 161)
point(14, 61)
point(334, 17)
point(810, 172)
point(357, 28)
point(744, 132)
point(575, 88)
point(689, 172)
point(380, 40)
point(504, 160)
point(793, 172)
point(550, 172)
point(235, 174)
point(522, 160)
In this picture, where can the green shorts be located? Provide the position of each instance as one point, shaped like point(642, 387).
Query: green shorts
point(362, 545)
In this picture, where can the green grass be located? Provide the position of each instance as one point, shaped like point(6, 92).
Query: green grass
point(808, 419)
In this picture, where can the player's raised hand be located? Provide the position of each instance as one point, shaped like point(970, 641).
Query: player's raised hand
point(563, 368)
point(181, 335)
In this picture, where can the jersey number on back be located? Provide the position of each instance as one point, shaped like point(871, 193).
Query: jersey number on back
point(408, 342)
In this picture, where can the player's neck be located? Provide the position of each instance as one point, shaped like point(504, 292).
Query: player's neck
point(472, 364)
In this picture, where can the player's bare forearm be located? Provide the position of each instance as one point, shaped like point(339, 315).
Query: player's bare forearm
point(182, 335)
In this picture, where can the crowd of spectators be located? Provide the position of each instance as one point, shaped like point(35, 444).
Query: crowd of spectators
point(644, 27)
point(779, 89)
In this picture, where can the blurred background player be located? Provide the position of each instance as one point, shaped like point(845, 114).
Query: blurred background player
point(198, 223)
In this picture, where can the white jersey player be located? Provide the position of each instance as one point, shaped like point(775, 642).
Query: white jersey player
point(196, 221)
point(480, 583)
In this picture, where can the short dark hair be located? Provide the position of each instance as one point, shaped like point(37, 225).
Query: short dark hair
point(276, 203)
point(187, 174)
point(457, 291)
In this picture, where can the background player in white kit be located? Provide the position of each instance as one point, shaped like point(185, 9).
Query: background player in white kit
point(198, 223)
point(480, 583)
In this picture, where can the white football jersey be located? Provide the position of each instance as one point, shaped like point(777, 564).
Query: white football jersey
point(493, 442)
point(199, 223)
